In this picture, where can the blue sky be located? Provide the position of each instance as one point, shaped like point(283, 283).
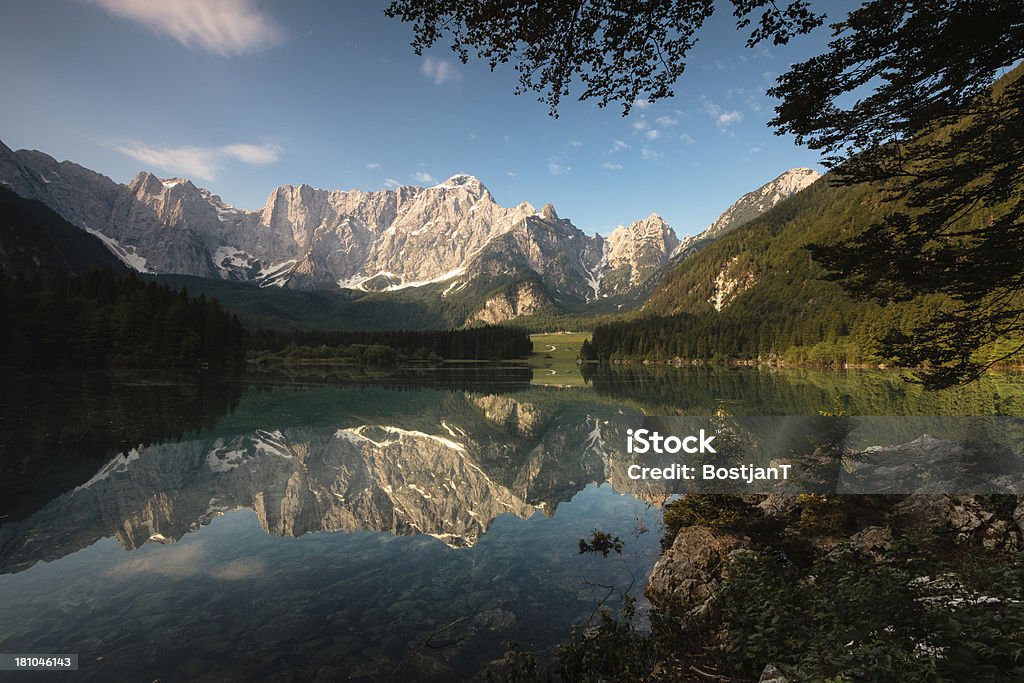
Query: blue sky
point(243, 96)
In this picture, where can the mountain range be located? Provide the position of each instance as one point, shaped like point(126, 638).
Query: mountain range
point(452, 243)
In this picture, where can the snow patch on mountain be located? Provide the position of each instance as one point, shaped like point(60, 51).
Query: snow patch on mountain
point(127, 255)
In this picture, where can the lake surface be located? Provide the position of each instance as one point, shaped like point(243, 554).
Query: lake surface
point(400, 526)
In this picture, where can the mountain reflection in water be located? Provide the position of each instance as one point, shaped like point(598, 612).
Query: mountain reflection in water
point(452, 501)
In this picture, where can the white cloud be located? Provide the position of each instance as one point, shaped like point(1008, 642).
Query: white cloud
point(511, 174)
point(618, 146)
point(728, 118)
point(373, 166)
point(666, 120)
point(202, 163)
point(722, 118)
point(573, 142)
point(556, 167)
point(640, 124)
point(197, 162)
point(611, 166)
point(422, 177)
point(688, 139)
point(440, 71)
point(471, 136)
point(257, 155)
point(649, 154)
point(392, 183)
point(653, 134)
point(641, 103)
point(755, 150)
point(223, 27)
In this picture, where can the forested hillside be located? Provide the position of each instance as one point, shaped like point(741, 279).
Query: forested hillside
point(758, 292)
point(772, 295)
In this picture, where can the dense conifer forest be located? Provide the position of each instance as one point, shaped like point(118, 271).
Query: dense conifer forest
point(384, 347)
point(101, 320)
point(105, 320)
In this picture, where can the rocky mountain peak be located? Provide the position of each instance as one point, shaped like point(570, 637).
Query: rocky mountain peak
point(750, 206)
point(145, 183)
point(794, 180)
point(653, 228)
point(465, 181)
point(548, 213)
point(635, 253)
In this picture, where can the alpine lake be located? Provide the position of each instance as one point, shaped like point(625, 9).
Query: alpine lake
point(324, 523)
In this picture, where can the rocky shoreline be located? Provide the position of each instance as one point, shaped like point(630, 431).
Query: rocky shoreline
point(687, 582)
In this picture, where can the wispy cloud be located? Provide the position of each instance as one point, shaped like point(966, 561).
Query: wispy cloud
point(641, 103)
point(423, 177)
point(185, 561)
point(649, 154)
point(723, 118)
point(618, 146)
point(753, 99)
point(573, 142)
point(640, 124)
point(721, 65)
point(755, 150)
point(257, 155)
point(203, 163)
point(611, 166)
point(760, 53)
point(687, 138)
point(391, 183)
point(556, 166)
point(373, 166)
point(471, 135)
point(653, 134)
point(223, 27)
point(440, 71)
point(666, 120)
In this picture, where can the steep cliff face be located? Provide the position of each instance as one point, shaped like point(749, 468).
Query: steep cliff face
point(524, 298)
point(635, 254)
